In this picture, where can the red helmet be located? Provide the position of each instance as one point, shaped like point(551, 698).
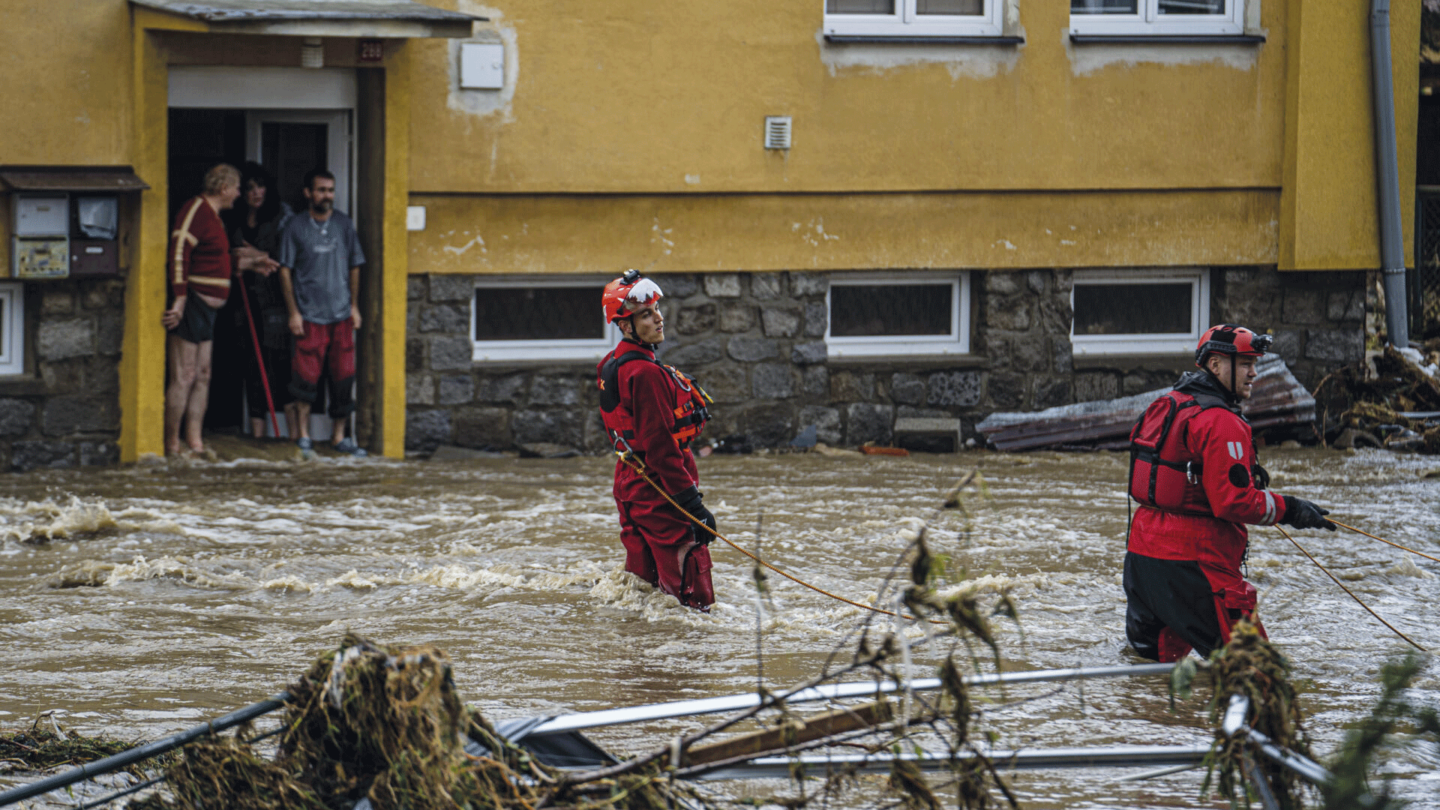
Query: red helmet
point(1227, 338)
point(632, 289)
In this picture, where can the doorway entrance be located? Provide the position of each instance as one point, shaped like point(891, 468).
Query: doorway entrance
point(225, 115)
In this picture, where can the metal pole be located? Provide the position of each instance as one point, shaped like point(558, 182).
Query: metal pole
point(1387, 177)
point(688, 708)
point(144, 752)
point(1234, 723)
point(1116, 756)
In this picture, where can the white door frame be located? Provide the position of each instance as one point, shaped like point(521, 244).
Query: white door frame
point(339, 142)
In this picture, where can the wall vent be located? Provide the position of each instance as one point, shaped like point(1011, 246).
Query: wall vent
point(777, 132)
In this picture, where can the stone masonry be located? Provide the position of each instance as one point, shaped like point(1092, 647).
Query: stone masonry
point(755, 341)
point(65, 410)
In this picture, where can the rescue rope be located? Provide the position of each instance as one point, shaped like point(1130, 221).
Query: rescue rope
point(1348, 591)
point(639, 468)
point(1383, 540)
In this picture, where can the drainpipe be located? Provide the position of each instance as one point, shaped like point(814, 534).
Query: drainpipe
point(1392, 248)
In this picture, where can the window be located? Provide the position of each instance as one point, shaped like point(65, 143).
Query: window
point(12, 329)
point(913, 18)
point(1139, 311)
point(524, 319)
point(1157, 17)
point(919, 314)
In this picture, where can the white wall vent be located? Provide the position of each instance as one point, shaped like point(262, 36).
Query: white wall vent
point(777, 132)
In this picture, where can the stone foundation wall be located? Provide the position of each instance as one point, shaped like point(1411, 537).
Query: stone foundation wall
point(65, 410)
point(755, 341)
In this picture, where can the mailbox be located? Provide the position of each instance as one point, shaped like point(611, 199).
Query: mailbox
point(41, 236)
point(93, 244)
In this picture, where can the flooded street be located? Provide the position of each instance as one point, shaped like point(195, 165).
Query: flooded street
point(142, 600)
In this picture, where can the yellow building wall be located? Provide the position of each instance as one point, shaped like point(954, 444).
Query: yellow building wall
point(1329, 214)
point(67, 82)
point(971, 156)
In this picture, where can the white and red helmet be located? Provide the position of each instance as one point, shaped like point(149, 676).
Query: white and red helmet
point(627, 293)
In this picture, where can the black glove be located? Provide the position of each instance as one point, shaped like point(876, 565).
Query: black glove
point(1261, 477)
point(1303, 514)
point(693, 502)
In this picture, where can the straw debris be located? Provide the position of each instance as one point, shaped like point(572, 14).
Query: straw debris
point(1251, 666)
point(46, 745)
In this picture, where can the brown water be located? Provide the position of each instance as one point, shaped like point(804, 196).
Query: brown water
point(139, 601)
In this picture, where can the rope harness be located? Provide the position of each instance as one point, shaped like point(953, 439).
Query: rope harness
point(628, 458)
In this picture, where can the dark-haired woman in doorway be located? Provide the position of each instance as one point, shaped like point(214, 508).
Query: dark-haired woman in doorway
point(255, 225)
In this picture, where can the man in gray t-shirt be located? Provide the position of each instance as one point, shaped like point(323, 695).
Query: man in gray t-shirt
point(320, 258)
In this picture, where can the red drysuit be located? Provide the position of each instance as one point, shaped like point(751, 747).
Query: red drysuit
point(660, 540)
point(1183, 584)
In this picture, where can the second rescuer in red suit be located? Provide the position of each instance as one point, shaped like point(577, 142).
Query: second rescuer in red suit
point(654, 412)
point(1183, 583)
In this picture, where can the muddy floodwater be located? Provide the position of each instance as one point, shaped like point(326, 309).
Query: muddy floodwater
point(141, 600)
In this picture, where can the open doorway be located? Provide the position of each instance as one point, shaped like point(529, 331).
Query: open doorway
point(209, 125)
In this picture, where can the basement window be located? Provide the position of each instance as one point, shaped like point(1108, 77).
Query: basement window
point(1157, 17)
point(1139, 311)
point(12, 329)
point(913, 18)
point(530, 319)
point(916, 314)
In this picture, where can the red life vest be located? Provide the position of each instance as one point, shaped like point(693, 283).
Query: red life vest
point(687, 420)
point(1164, 472)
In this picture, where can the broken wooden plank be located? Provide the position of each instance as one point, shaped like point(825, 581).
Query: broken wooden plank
point(794, 732)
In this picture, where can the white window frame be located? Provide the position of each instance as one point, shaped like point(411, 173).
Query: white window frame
point(955, 343)
point(1164, 343)
point(12, 343)
point(1149, 21)
point(906, 22)
point(512, 351)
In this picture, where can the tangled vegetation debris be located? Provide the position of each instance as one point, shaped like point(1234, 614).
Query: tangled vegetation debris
point(1251, 666)
point(1365, 405)
point(46, 745)
point(1394, 721)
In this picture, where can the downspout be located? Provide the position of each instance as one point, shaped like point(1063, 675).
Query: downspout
point(1387, 171)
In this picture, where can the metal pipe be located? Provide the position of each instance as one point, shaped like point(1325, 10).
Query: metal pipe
point(1387, 177)
point(1234, 723)
point(1116, 756)
point(143, 752)
point(731, 703)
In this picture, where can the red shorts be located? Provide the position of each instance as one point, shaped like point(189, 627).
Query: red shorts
point(329, 347)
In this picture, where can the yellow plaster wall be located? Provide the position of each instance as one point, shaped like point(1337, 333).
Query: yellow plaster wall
point(67, 82)
point(631, 98)
point(1329, 215)
point(578, 234)
point(398, 82)
point(636, 96)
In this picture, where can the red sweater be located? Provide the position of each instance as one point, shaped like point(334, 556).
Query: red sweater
point(199, 251)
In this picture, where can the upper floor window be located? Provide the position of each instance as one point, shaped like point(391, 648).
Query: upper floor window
point(1139, 311)
point(1158, 17)
point(913, 18)
point(899, 314)
point(12, 329)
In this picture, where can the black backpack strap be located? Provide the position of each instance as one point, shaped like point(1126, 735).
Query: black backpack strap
point(610, 378)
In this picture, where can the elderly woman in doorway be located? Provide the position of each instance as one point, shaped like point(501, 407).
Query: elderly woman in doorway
point(254, 227)
point(201, 265)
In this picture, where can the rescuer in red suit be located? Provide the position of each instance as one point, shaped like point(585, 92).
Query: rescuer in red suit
point(1194, 473)
point(654, 411)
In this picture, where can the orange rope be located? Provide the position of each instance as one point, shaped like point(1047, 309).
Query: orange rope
point(639, 469)
point(1383, 540)
point(1347, 590)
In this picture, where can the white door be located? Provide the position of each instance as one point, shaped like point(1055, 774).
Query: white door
point(289, 143)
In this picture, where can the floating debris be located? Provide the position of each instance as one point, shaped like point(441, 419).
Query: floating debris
point(1392, 400)
point(46, 745)
point(1278, 400)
